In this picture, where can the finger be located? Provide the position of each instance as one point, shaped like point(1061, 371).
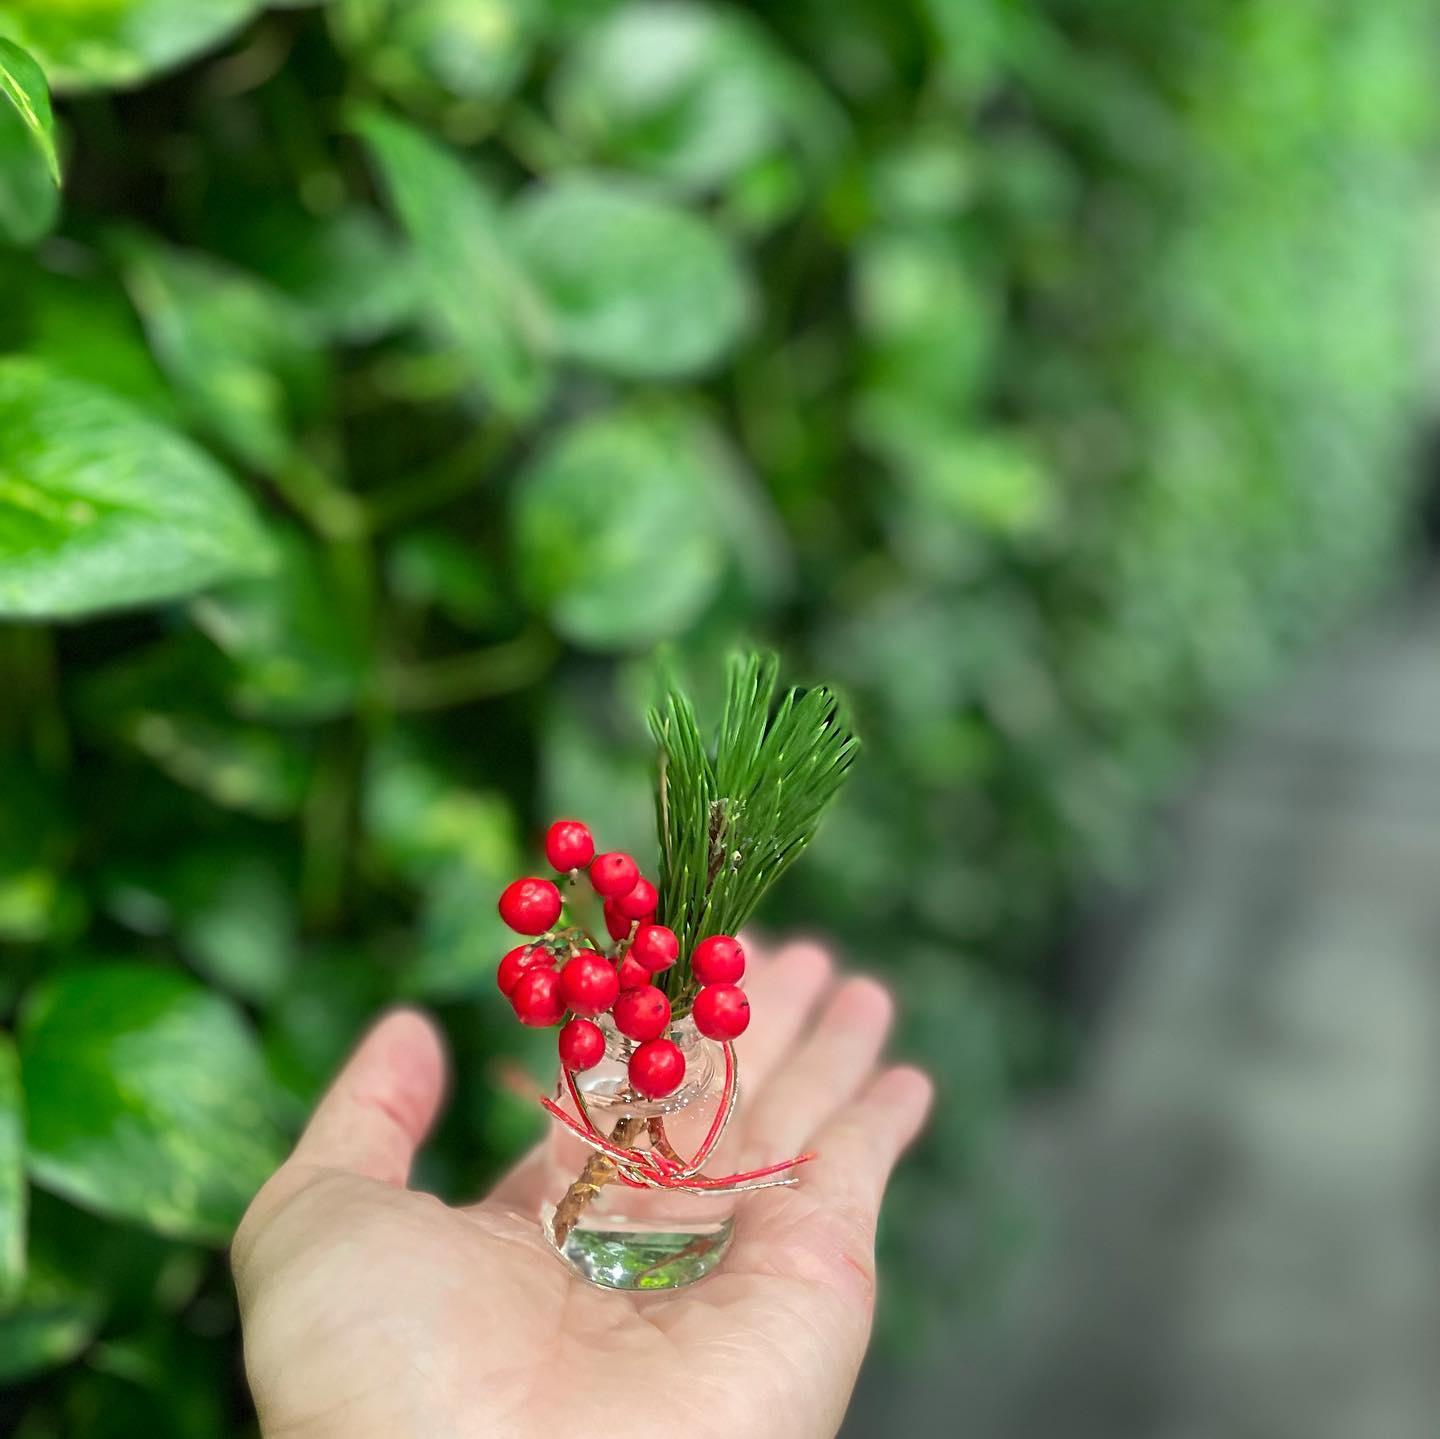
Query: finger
point(378, 1110)
point(782, 993)
point(859, 1147)
point(823, 1233)
point(823, 1075)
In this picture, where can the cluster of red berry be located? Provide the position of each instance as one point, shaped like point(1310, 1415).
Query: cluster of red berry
point(562, 972)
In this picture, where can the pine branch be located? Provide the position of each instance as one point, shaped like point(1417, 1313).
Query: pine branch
point(731, 823)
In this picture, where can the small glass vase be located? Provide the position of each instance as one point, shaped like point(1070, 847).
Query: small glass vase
point(642, 1239)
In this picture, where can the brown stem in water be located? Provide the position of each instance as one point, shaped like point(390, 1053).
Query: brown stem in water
point(599, 1170)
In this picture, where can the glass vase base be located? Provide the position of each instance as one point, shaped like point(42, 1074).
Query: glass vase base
point(647, 1257)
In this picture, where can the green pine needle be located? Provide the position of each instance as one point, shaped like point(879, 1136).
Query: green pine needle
point(732, 822)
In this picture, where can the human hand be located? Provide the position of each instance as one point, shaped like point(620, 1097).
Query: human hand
point(372, 1311)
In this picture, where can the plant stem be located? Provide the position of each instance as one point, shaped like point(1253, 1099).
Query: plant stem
point(599, 1170)
point(328, 508)
point(584, 909)
point(325, 829)
point(477, 674)
point(460, 473)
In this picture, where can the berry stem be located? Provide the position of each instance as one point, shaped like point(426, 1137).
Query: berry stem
point(599, 1170)
point(581, 907)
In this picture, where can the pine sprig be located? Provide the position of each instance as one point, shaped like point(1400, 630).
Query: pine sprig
point(732, 822)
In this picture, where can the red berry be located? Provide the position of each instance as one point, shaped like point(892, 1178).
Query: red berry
point(523, 957)
point(538, 998)
point(718, 960)
point(530, 906)
point(642, 1013)
point(569, 845)
point(638, 903)
point(615, 923)
point(589, 983)
point(721, 1011)
point(633, 974)
point(657, 1068)
point(613, 874)
point(655, 947)
point(582, 1044)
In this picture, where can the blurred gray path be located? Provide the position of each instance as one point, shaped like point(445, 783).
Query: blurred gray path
point(1235, 1213)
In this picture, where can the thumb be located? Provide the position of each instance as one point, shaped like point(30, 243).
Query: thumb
point(380, 1106)
point(369, 1123)
point(378, 1110)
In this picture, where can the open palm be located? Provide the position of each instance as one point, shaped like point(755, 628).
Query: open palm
point(370, 1309)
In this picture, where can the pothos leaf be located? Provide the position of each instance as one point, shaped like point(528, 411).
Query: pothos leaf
point(98, 44)
point(29, 162)
point(148, 1099)
point(634, 285)
point(474, 292)
point(101, 507)
point(639, 493)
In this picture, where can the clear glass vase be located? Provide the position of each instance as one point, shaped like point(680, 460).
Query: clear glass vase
point(643, 1239)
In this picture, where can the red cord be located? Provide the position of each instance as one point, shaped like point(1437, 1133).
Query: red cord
point(649, 1168)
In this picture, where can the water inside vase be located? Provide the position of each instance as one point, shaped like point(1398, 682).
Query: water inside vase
point(644, 1239)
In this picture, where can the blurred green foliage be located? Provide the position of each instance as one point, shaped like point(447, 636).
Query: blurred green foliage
point(387, 377)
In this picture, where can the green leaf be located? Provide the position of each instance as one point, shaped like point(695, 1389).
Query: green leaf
point(423, 51)
point(297, 652)
point(995, 484)
point(36, 844)
point(228, 903)
point(421, 819)
point(248, 768)
point(12, 1171)
point(33, 903)
point(54, 1320)
point(458, 842)
point(235, 920)
point(476, 296)
point(84, 326)
point(461, 937)
point(168, 702)
point(634, 285)
point(102, 1405)
point(164, 1381)
point(348, 274)
point(617, 525)
point(316, 1020)
point(682, 92)
point(84, 1272)
point(926, 176)
point(139, 1273)
point(112, 44)
point(146, 1098)
point(22, 82)
point(931, 324)
point(593, 762)
point(100, 507)
point(440, 568)
point(239, 353)
point(29, 164)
